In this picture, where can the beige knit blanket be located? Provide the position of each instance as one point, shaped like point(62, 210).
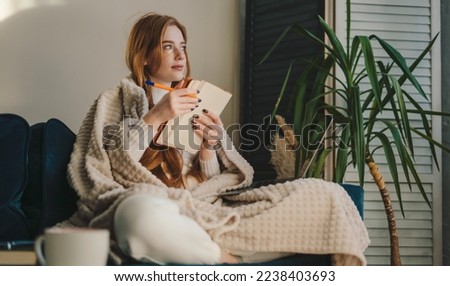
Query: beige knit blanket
point(304, 216)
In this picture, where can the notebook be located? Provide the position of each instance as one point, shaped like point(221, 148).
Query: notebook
point(178, 131)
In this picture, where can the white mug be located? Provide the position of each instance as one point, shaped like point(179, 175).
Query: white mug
point(73, 246)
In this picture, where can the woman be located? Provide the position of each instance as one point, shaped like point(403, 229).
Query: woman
point(157, 52)
point(163, 204)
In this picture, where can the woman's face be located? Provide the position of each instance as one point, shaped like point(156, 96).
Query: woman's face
point(173, 57)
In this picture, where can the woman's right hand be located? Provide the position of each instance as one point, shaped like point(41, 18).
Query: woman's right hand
point(176, 102)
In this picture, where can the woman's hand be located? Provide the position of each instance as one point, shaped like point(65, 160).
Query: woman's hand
point(176, 102)
point(210, 127)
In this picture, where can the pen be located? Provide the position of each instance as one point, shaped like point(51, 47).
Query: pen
point(158, 85)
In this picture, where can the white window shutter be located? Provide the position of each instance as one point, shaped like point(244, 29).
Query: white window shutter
point(408, 25)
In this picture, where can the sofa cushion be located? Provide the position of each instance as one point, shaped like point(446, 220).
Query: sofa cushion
point(59, 199)
point(14, 141)
point(31, 201)
point(48, 198)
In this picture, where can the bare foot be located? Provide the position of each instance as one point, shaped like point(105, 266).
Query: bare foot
point(228, 258)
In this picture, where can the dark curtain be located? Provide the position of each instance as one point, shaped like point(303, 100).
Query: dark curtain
point(263, 22)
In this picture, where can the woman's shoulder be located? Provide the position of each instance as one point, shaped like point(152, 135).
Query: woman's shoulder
point(109, 96)
point(129, 87)
point(127, 98)
point(126, 88)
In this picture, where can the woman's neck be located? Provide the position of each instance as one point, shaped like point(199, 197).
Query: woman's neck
point(157, 94)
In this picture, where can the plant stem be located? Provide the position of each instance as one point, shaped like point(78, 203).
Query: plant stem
point(393, 234)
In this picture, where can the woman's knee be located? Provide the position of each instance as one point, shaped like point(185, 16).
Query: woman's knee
point(138, 223)
point(141, 211)
point(152, 228)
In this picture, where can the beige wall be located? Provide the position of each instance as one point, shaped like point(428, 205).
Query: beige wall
point(56, 56)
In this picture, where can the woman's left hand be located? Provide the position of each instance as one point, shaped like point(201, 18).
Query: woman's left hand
point(210, 127)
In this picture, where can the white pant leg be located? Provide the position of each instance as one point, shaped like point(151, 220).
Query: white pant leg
point(149, 228)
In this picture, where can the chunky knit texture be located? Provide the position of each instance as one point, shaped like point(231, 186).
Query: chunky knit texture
point(302, 216)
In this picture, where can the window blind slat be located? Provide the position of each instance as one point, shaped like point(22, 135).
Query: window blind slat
point(406, 25)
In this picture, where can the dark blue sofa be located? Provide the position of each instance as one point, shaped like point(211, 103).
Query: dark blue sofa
point(35, 194)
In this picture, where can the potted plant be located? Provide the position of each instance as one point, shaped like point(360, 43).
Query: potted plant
point(358, 111)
